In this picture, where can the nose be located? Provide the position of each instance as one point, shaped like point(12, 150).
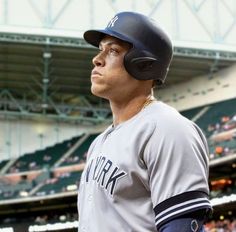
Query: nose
point(98, 60)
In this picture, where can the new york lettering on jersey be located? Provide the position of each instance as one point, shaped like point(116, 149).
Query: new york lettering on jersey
point(104, 172)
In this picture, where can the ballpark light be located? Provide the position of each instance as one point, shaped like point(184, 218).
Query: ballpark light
point(7, 229)
point(71, 187)
point(223, 200)
point(53, 227)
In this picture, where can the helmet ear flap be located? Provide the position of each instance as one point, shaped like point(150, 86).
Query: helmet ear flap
point(142, 65)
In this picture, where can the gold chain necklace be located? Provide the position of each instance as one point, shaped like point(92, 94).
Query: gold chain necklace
point(148, 101)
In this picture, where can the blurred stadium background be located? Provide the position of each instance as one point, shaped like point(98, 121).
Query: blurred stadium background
point(48, 117)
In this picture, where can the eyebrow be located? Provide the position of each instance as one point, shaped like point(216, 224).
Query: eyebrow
point(117, 42)
point(109, 43)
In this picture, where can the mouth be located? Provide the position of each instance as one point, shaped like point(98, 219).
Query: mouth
point(95, 73)
point(95, 76)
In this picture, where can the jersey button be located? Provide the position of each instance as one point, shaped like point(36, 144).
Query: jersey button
point(90, 197)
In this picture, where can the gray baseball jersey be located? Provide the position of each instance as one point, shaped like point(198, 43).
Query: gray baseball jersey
point(144, 172)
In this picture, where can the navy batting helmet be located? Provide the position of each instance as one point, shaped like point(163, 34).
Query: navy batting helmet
point(152, 51)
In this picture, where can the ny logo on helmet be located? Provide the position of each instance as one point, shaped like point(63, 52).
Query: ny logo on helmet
point(112, 22)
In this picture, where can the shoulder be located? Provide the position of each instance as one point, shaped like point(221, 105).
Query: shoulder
point(169, 122)
point(162, 114)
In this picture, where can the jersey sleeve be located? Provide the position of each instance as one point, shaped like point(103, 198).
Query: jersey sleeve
point(176, 157)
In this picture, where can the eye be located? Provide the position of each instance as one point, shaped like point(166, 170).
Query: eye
point(113, 51)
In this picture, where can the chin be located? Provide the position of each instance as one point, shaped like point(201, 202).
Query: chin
point(97, 92)
point(100, 93)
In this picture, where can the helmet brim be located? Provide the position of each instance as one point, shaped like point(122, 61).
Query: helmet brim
point(94, 37)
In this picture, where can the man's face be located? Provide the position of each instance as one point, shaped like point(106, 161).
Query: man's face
point(109, 77)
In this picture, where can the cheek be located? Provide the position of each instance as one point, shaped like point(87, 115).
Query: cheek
point(117, 71)
point(115, 63)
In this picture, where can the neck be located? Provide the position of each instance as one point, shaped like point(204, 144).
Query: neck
point(124, 111)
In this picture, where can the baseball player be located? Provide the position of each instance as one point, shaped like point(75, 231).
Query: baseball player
point(148, 171)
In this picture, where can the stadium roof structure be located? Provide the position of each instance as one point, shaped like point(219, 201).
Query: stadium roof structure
point(49, 76)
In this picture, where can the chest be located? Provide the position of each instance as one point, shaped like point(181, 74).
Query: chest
point(115, 163)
